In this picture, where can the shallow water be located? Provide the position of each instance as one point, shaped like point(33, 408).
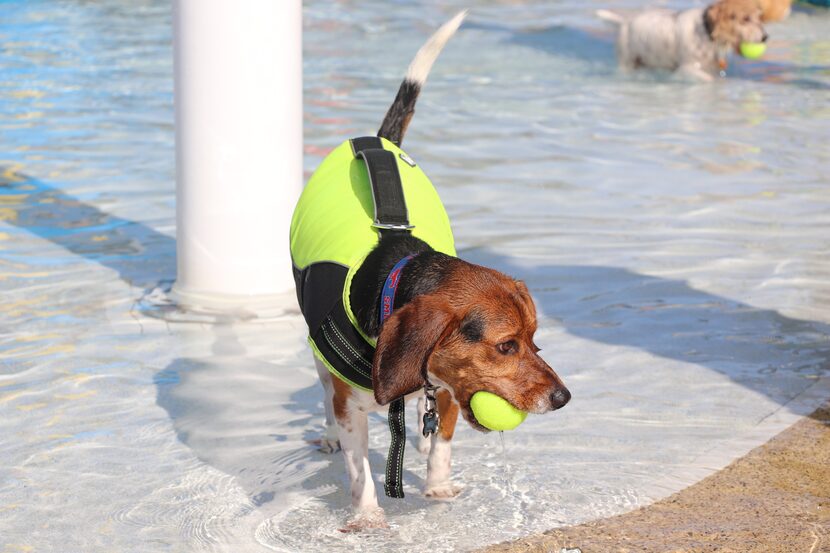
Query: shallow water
point(674, 236)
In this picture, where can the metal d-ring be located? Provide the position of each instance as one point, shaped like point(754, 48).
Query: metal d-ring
point(431, 417)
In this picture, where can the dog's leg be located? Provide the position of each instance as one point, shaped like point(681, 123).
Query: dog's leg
point(625, 58)
point(694, 72)
point(353, 428)
point(424, 443)
point(329, 442)
point(438, 483)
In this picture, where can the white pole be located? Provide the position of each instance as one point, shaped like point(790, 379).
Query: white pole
point(239, 139)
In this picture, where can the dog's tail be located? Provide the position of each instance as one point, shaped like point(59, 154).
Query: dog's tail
point(400, 112)
point(610, 16)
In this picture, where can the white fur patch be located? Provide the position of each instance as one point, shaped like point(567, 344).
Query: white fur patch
point(426, 56)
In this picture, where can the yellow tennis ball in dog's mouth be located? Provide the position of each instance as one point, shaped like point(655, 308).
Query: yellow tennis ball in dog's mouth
point(753, 50)
point(494, 412)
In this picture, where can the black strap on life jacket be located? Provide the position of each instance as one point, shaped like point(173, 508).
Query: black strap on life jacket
point(387, 189)
point(320, 285)
point(320, 294)
point(390, 216)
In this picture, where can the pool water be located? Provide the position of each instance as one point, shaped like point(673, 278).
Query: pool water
point(673, 234)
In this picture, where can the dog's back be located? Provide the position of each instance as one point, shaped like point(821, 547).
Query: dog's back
point(650, 40)
point(660, 39)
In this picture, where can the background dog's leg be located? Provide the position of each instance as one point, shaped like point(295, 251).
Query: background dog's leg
point(423, 443)
point(624, 57)
point(693, 72)
point(329, 442)
point(438, 483)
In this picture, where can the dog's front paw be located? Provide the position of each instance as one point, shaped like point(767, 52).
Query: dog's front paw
point(326, 445)
point(329, 445)
point(366, 520)
point(447, 490)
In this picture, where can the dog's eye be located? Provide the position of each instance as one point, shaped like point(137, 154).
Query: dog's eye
point(507, 347)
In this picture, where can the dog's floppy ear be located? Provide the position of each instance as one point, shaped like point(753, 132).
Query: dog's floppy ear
point(710, 17)
point(406, 341)
point(527, 300)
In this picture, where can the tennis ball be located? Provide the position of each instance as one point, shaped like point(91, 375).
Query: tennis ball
point(495, 413)
point(753, 50)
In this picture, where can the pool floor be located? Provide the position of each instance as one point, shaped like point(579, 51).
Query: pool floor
point(673, 235)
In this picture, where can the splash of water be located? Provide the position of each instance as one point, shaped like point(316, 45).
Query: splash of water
point(508, 481)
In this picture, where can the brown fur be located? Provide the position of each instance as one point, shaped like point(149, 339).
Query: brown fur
point(425, 335)
point(340, 401)
point(405, 344)
point(775, 10)
point(735, 21)
point(447, 414)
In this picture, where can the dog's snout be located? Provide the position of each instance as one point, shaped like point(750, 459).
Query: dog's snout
point(559, 398)
point(764, 37)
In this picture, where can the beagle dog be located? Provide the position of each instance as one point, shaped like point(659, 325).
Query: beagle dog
point(694, 42)
point(453, 328)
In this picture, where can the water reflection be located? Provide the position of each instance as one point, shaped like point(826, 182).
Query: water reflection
point(563, 171)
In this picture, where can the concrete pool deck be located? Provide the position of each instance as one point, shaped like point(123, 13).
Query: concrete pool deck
point(673, 235)
point(775, 499)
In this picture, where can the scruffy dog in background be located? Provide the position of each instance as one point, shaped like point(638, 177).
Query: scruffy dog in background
point(694, 42)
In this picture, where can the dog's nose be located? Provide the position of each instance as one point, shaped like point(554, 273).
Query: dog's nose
point(765, 37)
point(559, 398)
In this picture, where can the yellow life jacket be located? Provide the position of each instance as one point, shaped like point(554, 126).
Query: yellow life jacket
point(335, 225)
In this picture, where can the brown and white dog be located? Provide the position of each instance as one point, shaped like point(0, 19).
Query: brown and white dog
point(467, 327)
point(694, 42)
